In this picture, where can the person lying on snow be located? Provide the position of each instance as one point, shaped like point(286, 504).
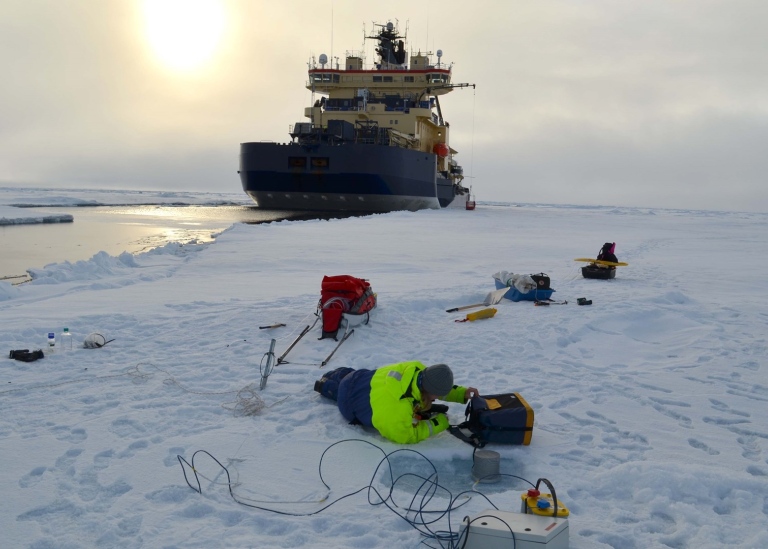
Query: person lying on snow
point(395, 399)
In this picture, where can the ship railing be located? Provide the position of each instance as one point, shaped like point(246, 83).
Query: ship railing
point(337, 67)
point(374, 140)
point(337, 109)
point(421, 105)
point(378, 139)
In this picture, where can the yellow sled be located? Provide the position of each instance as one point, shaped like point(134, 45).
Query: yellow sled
point(601, 262)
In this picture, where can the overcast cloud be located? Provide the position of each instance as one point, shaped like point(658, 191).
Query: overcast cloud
point(641, 103)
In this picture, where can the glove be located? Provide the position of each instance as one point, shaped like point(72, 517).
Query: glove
point(439, 423)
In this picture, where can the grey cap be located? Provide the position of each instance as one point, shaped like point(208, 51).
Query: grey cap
point(437, 380)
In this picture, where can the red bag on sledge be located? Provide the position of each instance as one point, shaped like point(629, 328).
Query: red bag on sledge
point(344, 294)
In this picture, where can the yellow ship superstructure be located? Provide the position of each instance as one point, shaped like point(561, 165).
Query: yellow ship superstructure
point(390, 94)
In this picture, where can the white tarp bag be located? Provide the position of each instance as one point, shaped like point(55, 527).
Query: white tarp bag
point(523, 283)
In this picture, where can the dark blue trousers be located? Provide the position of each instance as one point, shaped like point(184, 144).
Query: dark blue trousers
point(351, 389)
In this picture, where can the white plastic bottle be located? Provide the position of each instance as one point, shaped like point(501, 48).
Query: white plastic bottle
point(66, 340)
point(51, 342)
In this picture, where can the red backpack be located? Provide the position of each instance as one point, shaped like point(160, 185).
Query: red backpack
point(344, 294)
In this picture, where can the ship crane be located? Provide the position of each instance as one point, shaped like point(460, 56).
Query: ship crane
point(437, 101)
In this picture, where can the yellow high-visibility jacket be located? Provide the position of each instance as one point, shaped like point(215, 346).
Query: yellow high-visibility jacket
point(396, 400)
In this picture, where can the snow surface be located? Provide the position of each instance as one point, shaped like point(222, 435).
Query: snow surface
point(650, 404)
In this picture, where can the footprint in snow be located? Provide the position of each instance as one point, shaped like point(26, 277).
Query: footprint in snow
point(703, 447)
point(66, 434)
point(33, 477)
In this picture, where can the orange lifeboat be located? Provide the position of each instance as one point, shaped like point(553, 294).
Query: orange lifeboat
point(441, 150)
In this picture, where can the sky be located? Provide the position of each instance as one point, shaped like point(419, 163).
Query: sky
point(605, 102)
point(649, 404)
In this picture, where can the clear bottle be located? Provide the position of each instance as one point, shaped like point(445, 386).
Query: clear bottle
point(51, 342)
point(65, 340)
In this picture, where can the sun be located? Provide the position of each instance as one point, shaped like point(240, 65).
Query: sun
point(183, 34)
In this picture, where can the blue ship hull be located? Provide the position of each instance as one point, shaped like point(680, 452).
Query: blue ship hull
point(349, 177)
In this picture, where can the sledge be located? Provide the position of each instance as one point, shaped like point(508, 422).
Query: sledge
point(513, 294)
point(522, 287)
point(600, 269)
point(347, 321)
point(597, 272)
point(601, 262)
point(345, 303)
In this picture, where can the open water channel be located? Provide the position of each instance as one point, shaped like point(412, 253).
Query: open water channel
point(118, 229)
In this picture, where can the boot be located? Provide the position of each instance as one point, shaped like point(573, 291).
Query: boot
point(319, 385)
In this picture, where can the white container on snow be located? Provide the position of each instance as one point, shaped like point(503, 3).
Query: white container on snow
point(51, 342)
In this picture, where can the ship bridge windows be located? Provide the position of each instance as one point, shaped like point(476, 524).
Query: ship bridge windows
point(297, 161)
point(408, 79)
point(435, 78)
point(320, 162)
point(324, 78)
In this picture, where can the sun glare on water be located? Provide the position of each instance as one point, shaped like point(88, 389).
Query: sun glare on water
point(184, 34)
